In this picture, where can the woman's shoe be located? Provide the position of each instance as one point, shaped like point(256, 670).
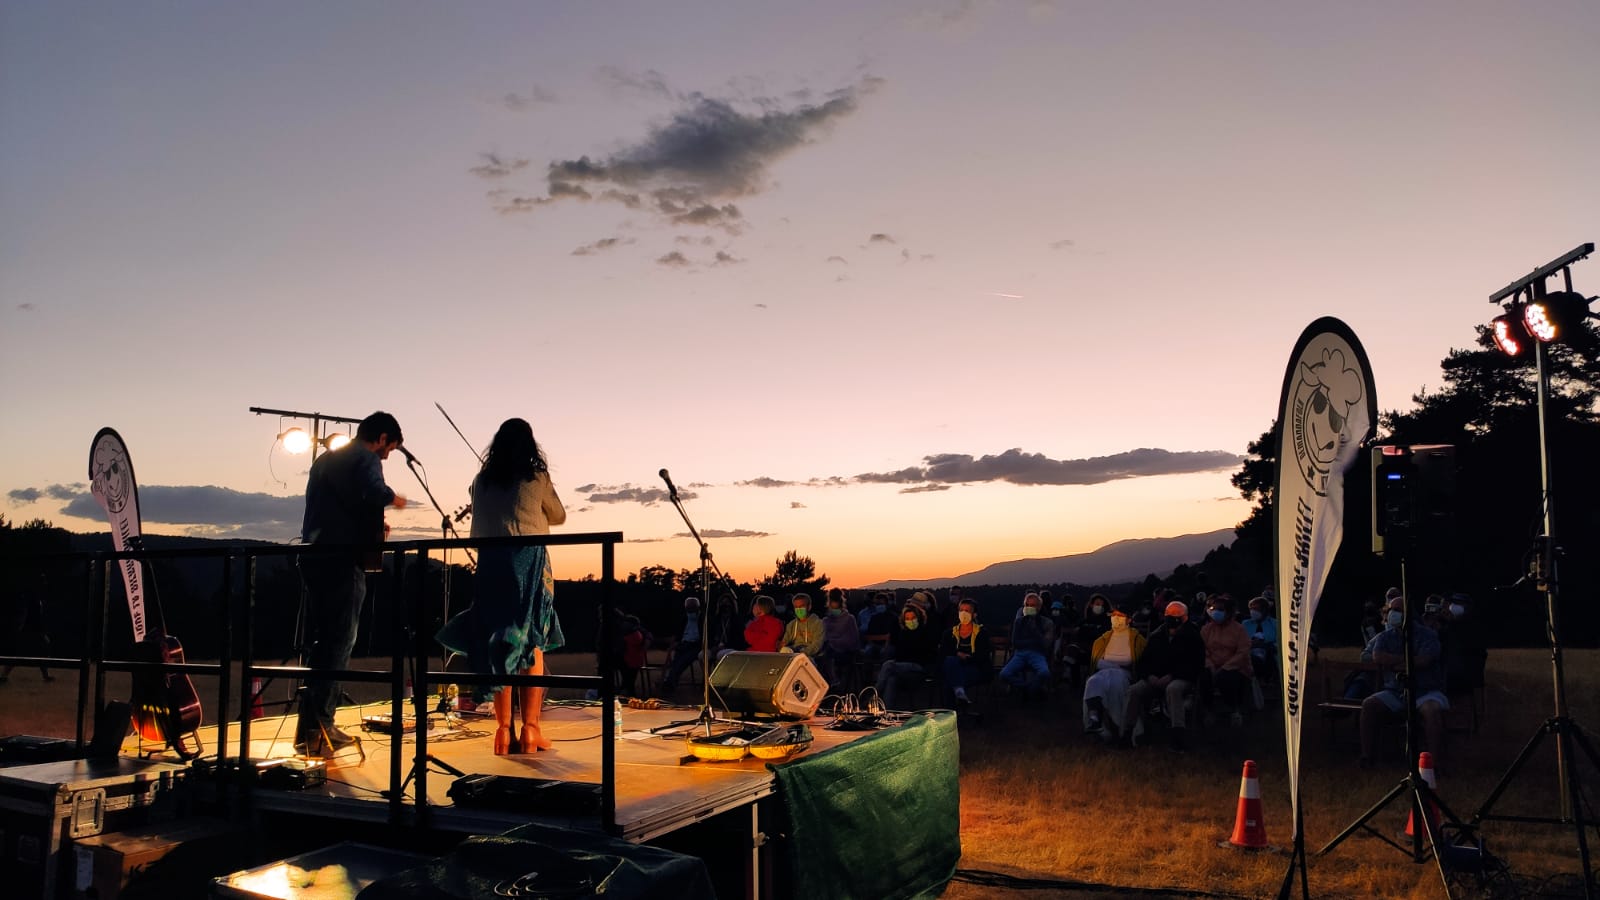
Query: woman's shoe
point(502, 741)
point(534, 739)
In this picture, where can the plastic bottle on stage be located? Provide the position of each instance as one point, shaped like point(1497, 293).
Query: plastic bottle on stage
point(616, 720)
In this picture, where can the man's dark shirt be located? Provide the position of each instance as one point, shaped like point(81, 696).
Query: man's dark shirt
point(1179, 653)
point(345, 497)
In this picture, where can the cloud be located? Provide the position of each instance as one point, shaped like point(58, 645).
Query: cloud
point(673, 259)
point(1063, 245)
point(1017, 467)
point(759, 305)
point(764, 482)
point(628, 493)
point(538, 96)
point(689, 167)
point(495, 167)
point(1005, 296)
point(796, 504)
point(704, 240)
point(881, 238)
point(925, 488)
point(838, 259)
point(726, 259)
point(26, 307)
point(603, 244)
point(24, 495)
point(720, 533)
point(208, 510)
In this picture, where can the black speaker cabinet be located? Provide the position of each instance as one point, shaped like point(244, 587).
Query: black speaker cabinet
point(769, 684)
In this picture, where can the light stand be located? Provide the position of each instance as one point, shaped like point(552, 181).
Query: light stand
point(1423, 799)
point(1569, 735)
point(706, 717)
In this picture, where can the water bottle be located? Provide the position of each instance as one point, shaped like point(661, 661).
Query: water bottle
point(616, 720)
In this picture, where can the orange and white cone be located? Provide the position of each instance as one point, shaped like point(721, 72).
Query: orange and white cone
point(1249, 831)
point(1425, 769)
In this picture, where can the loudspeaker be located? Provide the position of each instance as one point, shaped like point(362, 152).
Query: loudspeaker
point(771, 684)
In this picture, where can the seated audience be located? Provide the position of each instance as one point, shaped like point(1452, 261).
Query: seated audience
point(1032, 636)
point(880, 625)
point(803, 634)
point(1427, 682)
point(1096, 621)
point(764, 631)
point(1228, 669)
point(687, 647)
point(1170, 669)
point(967, 658)
point(1105, 692)
point(914, 652)
point(1262, 628)
point(841, 645)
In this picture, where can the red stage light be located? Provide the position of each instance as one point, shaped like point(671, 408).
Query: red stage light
point(1510, 334)
point(1556, 316)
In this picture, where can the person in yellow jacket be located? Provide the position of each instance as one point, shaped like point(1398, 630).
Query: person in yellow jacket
point(1105, 692)
point(803, 634)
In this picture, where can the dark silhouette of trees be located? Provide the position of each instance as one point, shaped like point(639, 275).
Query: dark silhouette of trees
point(792, 574)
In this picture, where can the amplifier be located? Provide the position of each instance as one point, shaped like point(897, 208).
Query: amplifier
point(771, 684)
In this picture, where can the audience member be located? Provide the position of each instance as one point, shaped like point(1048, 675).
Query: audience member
point(1228, 669)
point(967, 658)
point(1170, 668)
point(1096, 622)
point(1462, 643)
point(1427, 681)
point(880, 625)
point(914, 652)
point(686, 649)
point(1262, 627)
point(635, 648)
point(841, 645)
point(764, 631)
point(1105, 692)
point(803, 634)
point(1032, 637)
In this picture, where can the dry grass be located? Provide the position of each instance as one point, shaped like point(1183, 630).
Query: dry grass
point(1042, 801)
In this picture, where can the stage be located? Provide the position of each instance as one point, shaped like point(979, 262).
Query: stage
point(834, 797)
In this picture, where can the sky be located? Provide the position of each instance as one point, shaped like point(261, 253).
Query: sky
point(909, 288)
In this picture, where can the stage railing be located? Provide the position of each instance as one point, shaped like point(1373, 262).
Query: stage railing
point(411, 648)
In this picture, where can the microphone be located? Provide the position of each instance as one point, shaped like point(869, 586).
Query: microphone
point(671, 488)
point(410, 460)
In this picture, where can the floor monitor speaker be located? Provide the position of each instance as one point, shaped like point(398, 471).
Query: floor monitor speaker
point(770, 684)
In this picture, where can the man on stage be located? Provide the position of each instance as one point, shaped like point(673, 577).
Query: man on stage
point(345, 500)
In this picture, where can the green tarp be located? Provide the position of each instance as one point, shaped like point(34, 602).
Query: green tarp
point(876, 818)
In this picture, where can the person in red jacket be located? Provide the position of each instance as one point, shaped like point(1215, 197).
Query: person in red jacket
point(764, 630)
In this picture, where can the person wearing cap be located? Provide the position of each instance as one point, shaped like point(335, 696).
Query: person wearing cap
point(1032, 636)
point(1105, 693)
point(687, 647)
point(1228, 670)
point(1427, 681)
point(967, 658)
point(803, 633)
point(914, 648)
point(1171, 666)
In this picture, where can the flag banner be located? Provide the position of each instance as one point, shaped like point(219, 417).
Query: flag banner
point(1327, 411)
point(111, 481)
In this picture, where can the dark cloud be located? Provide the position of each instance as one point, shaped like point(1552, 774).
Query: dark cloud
point(759, 305)
point(1017, 467)
point(881, 238)
point(705, 240)
point(709, 152)
point(66, 491)
point(673, 259)
point(25, 495)
point(726, 259)
point(206, 505)
point(649, 83)
point(796, 504)
point(720, 533)
point(603, 244)
point(1063, 245)
point(925, 488)
point(627, 493)
point(764, 482)
point(838, 259)
point(538, 96)
point(26, 307)
point(495, 167)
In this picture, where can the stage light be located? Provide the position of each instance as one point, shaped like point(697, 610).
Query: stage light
point(1556, 317)
point(336, 440)
point(1510, 334)
point(296, 440)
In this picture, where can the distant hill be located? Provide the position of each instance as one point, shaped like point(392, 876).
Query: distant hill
point(1123, 561)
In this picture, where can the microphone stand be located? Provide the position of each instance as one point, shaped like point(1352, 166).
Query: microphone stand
point(706, 717)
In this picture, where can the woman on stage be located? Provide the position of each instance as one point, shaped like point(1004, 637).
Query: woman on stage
point(512, 620)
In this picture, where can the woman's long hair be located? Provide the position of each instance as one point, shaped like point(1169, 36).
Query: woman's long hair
point(514, 456)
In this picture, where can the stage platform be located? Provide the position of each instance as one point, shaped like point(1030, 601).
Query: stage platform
point(660, 787)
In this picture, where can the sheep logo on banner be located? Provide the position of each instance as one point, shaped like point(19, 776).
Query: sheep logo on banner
point(1326, 393)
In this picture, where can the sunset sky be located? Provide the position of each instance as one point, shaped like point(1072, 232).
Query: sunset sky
point(909, 288)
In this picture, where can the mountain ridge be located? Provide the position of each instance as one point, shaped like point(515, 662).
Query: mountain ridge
point(1114, 563)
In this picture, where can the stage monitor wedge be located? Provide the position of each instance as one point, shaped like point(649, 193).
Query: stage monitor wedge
point(769, 684)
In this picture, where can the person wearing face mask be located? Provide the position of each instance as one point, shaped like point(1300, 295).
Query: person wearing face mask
point(763, 632)
point(687, 647)
point(1095, 622)
point(1262, 628)
point(879, 624)
point(803, 634)
point(1105, 693)
point(841, 645)
point(1032, 636)
point(914, 648)
point(1228, 670)
point(1427, 681)
point(966, 651)
point(1463, 645)
point(1170, 668)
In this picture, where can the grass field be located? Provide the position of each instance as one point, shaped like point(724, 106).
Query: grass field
point(1044, 804)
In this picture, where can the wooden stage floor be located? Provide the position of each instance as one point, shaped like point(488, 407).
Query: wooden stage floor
point(657, 790)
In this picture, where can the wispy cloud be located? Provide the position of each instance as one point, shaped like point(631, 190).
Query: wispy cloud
point(673, 259)
point(1017, 467)
point(205, 509)
point(720, 533)
point(494, 167)
point(603, 244)
point(925, 488)
point(26, 307)
point(628, 493)
point(796, 504)
point(536, 96)
point(1063, 244)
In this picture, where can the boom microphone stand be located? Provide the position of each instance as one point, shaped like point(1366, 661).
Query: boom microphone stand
point(706, 717)
point(1420, 793)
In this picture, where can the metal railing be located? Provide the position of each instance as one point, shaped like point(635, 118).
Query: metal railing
point(411, 647)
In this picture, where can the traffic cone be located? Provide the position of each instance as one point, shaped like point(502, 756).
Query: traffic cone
point(1425, 769)
point(256, 690)
point(1249, 831)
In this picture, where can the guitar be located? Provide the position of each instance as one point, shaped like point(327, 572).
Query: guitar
point(165, 705)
